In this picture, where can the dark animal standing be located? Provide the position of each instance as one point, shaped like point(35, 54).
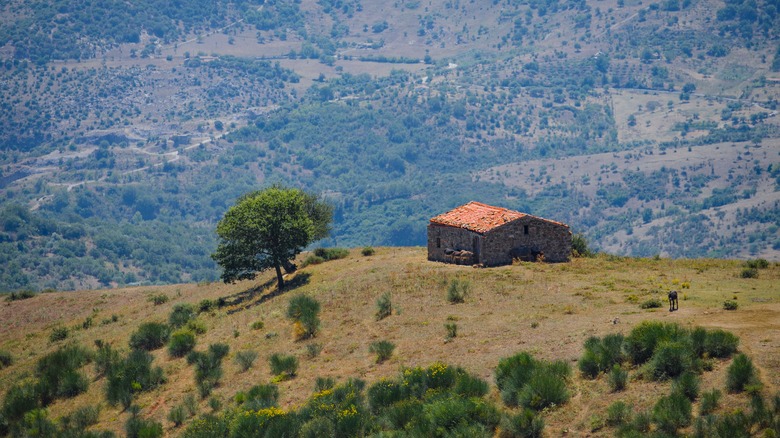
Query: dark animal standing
point(673, 304)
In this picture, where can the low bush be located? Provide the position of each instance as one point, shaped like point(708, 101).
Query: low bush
point(720, 343)
point(150, 336)
point(21, 295)
point(313, 350)
point(331, 253)
point(670, 359)
point(6, 359)
point(137, 427)
point(458, 290)
point(652, 303)
point(304, 311)
point(19, 399)
point(58, 373)
point(245, 359)
point(367, 251)
point(730, 305)
point(452, 330)
point(206, 305)
point(709, 402)
point(208, 367)
point(672, 412)
point(105, 358)
point(177, 415)
point(196, 326)
point(688, 385)
point(749, 273)
point(131, 375)
point(617, 378)
point(182, 342)
point(618, 414)
point(641, 343)
point(81, 418)
point(283, 366)
point(312, 259)
point(261, 397)
point(601, 354)
point(181, 315)
point(384, 307)
point(58, 334)
point(757, 264)
point(258, 325)
point(525, 424)
point(535, 384)
point(158, 299)
point(382, 349)
point(741, 374)
point(579, 246)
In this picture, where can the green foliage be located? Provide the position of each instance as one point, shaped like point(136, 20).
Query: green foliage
point(688, 385)
point(181, 314)
point(652, 303)
point(81, 418)
point(617, 378)
point(258, 325)
point(196, 326)
point(105, 358)
point(730, 305)
point(741, 374)
point(601, 355)
point(641, 343)
point(260, 397)
point(384, 306)
point(159, 299)
point(21, 295)
point(58, 334)
point(304, 310)
point(525, 424)
point(20, 398)
point(206, 305)
point(131, 375)
point(328, 254)
point(709, 402)
point(266, 228)
point(208, 367)
point(6, 359)
point(618, 414)
point(535, 384)
point(670, 359)
point(579, 246)
point(182, 342)
point(150, 336)
point(177, 415)
point(720, 343)
point(137, 427)
point(245, 359)
point(313, 350)
point(757, 264)
point(367, 251)
point(452, 330)
point(283, 366)
point(458, 290)
point(749, 273)
point(672, 412)
point(58, 373)
point(382, 349)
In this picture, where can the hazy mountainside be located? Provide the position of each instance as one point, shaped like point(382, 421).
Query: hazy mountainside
point(650, 128)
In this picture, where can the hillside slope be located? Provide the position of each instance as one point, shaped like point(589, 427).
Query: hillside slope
point(548, 310)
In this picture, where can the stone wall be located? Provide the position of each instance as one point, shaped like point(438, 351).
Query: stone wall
point(528, 236)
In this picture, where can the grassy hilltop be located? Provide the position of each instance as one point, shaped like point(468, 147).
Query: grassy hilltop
point(547, 310)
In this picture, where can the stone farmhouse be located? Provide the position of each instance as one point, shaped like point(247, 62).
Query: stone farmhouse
point(480, 234)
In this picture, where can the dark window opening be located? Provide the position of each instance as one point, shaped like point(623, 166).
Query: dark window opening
point(525, 229)
point(438, 242)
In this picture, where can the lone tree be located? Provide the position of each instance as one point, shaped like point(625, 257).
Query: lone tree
point(268, 228)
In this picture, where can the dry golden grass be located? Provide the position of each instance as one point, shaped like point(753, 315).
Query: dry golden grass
point(546, 309)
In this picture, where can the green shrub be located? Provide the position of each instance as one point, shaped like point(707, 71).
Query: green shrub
point(208, 426)
point(137, 427)
point(313, 350)
point(158, 299)
point(318, 427)
point(709, 402)
point(367, 251)
point(6, 359)
point(672, 412)
point(264, 423)
point(87, 323)
point(245, 359)
point(617, 378)
point(312, 259)
point(579, 246)
point(740, 374)
point(304, 310)
point(525, 424)
point(21, 295)
point(757, 264)
point(258, 325)
point(458, 290)
point(618, 414)
point(749, 273)
point(544, 389)
point(384, 306)
point(688, 384)
point(652, 303)
point(283, 366)
point(323, 383)
point(150, 336)
point(670, 359)
point(81, 418)
point(206, 305)
point(601, 354)
point(640, 344)
point(535, 384)
point(196, 326)
point(730, 305)
point(182, 342)
point(382, 349)
point(131, 375)
point(105, 358)
point(58, 334)
point(58, 373)
point(720, 343)
point(208, 367)
point(331, 253)
point(261, 397)
point(177, 415)
point(20, 399)
point(452, 330)
point(642, 422)
point(181, 314)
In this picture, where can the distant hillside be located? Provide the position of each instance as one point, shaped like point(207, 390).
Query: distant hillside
point(116, 144)
point(546, 310)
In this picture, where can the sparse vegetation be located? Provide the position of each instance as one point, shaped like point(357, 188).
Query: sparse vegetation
point(741, 374)
point(458, 290)
point(208, 367)
point(618, 377)
point(382, 349)
point(709, 402)
point(245, 359)
point(58, 334)
point(304, 311)
point(283, 366)
point(6, 359)
point(384, 306)
point(652, 303)
point(730, 305)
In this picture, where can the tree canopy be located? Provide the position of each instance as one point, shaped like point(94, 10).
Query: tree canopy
point(266, 229)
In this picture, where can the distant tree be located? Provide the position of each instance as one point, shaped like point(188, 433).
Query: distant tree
point(266, 229)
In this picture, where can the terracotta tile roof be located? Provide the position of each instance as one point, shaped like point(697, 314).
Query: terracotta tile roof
point(480, 218)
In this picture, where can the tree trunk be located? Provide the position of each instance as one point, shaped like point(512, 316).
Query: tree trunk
point(279, 279)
